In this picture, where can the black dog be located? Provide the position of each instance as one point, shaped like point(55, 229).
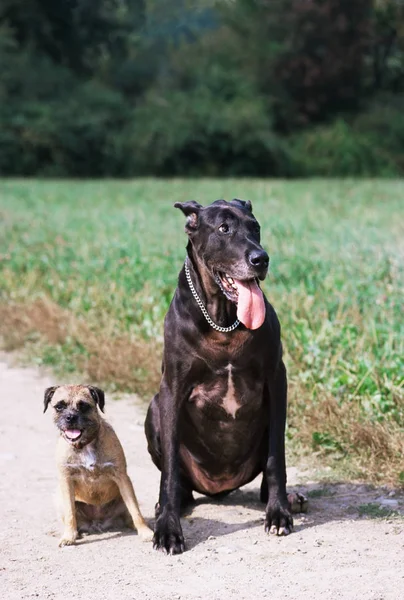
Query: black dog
point(219, 417)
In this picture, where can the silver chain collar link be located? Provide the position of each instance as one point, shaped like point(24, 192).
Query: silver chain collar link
point(202, 307)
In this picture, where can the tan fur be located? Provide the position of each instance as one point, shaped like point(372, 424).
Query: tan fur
point(230, 401)
point(94, 475)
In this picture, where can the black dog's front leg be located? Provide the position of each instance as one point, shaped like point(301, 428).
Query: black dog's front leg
point(168, 535)
point(278, 518)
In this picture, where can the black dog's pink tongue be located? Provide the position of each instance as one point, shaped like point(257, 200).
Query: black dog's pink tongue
point(251, 306)
point(72, 434)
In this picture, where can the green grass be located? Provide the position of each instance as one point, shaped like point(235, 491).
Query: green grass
point(320, 493)
point(376, 511)
point(109, 253)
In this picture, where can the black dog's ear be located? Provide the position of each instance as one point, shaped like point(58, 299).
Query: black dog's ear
point(244, 203)
point(98, 395)
point(49, 395)
point(191, 211)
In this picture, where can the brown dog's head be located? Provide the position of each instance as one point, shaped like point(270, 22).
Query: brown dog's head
point(75, 411)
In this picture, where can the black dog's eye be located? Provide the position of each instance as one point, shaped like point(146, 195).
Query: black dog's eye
point(83, 406)
point(60, 406)
point(224, 228)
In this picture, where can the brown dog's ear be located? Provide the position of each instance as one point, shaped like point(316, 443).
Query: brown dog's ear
point(191, 211)
point(49, 395)
point(244, 203)
point(97, 395)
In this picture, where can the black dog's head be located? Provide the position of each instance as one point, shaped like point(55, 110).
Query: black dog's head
point(226, 237)
point(75, 411)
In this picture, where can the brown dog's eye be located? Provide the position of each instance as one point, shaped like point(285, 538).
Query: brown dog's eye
point(83, 406)
point(60, 406)
point(224, 228)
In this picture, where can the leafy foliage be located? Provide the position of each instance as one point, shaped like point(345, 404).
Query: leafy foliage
point(129, 87)
point(368, 145)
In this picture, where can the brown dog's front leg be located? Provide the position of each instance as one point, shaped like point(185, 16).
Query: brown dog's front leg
point(168, 535)
point(278, 518)
point(129, 497)
point(66, 487)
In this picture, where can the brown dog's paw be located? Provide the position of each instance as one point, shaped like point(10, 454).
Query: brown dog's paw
point(278, 520)
point(298, 502)
point(68, 540)
point(145, 533)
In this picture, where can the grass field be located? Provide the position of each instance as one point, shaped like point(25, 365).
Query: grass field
point(88, 270)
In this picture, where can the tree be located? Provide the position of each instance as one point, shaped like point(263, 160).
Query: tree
point(307, 55)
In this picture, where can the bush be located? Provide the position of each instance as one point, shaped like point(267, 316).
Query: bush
point(51, 123)
point(80, 135)
point(383, 125)
point(205, 117)
point(370, 145)
point(194, 134)
point(213, 89)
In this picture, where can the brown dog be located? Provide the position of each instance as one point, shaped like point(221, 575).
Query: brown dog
point(95, 491)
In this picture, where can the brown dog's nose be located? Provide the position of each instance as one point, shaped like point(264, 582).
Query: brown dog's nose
point(70, 418)
point(259, 259)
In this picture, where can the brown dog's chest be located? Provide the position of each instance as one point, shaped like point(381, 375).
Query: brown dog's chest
point(89, 462)
point(92, 477)
point(95, 491)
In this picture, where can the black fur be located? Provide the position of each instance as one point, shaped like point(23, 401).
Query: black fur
point(98, 396)
point(188, 429)
point(49, 395)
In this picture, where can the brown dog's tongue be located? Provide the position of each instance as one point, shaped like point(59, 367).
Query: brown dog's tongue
point(251, 306)
point(72, 434)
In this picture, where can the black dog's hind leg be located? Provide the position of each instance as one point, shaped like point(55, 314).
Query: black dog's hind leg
point(187, 497)
point(297, 502)
point(264, 489)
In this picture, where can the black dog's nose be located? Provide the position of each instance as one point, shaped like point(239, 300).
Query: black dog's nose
point(70, 418)
point(259, 259)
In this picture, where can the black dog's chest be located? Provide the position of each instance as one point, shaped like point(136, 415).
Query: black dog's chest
point(228, 393)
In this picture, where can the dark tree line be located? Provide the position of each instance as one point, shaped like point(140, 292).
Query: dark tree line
point(168, 87)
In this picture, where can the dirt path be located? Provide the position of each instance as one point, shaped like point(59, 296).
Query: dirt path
point(333, 553)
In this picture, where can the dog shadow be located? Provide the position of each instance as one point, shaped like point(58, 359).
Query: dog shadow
point(109, 534)
point(327, 502)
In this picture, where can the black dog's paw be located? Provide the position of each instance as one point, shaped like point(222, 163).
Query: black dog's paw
point(298, 502)
point(278, 519)
point(168, 534)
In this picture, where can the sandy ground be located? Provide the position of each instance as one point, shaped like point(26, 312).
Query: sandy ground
point(333, 553)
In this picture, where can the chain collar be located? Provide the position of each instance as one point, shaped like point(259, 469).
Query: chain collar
point(202, 307)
